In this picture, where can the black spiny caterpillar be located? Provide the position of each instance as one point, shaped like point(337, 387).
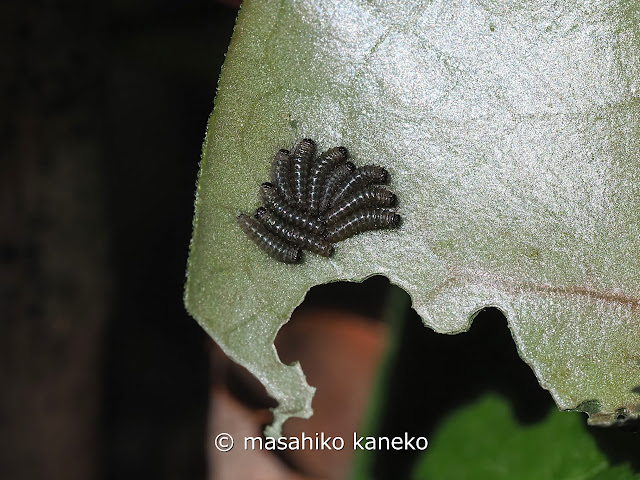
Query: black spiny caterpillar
point(312, 203)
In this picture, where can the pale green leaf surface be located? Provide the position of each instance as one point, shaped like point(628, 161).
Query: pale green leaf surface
point(511, 131)
point(483, 441)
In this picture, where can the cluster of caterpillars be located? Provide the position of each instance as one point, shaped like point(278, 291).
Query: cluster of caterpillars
point(313, 202)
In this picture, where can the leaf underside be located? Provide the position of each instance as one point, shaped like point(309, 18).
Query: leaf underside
point(511, 132)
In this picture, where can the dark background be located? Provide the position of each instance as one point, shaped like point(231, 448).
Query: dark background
point(103, 109)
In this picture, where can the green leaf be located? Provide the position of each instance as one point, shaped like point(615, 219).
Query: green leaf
point(484, 441)
point(511, 133)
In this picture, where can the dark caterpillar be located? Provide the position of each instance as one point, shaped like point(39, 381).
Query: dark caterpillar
point(371, 196)
point(361, 177)
point(288, 213)
point(312, 204)
point(301, 158)
point(294, 235)
point(358, 222)
point(326, 162)
point(281, 176)
point(335, 179)
point(267, 241)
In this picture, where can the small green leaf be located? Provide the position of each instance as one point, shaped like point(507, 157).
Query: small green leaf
point(484, 441)
point(511, 133)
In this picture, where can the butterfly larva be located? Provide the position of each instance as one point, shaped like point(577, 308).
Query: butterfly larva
point(311, 204)
point(361, 221)
point(267, 241)
point(301, 158)
point(294, 235)
point(335, 178)
point(371, 196)
point(288, 213)
point(281, 176)
point(326, 162)
point(361, 177)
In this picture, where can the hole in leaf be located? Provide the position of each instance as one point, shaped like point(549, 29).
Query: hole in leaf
point(435, 374)
point(622, 414)
point(337, 336)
